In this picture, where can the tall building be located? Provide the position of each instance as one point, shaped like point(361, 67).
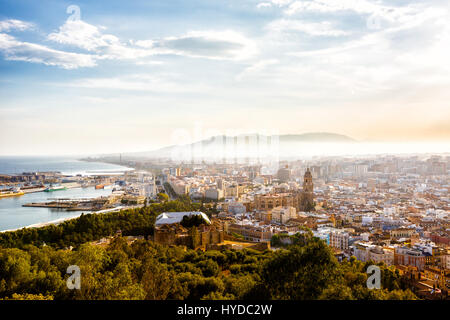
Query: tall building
point(220, 184)
point(307, 195)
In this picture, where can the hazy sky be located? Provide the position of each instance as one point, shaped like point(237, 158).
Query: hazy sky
point(123, 76)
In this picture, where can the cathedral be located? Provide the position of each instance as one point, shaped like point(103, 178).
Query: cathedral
point(302, 200)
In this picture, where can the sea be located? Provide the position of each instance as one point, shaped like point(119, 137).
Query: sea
point(65, 165)
point(14, 216)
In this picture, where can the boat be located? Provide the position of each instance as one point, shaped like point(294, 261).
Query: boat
point(99, 186)
point(11, 193)
point(52, 188)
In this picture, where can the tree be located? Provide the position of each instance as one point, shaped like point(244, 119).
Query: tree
point(192, 221)
point(156, 280)
point(27, 296)
point(15, 271)
point(301, 272)
point(336, 292)
point(162, 197)
point(209, 268)
point(147, 270)
point(240, 286)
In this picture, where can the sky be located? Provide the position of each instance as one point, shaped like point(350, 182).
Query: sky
point(81, 77)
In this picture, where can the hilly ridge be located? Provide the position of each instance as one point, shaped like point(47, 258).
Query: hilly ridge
point(285, 141)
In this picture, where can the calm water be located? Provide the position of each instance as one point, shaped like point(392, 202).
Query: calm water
point(13, 215)
point(68, 166)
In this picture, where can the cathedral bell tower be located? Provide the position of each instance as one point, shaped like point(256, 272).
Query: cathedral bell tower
point(307, 182)
point(307, 195)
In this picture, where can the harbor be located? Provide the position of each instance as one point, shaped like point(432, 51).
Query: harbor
point(34, 198)
point(14, 215)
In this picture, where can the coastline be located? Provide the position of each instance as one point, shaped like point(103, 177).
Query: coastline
point(111, 162)
point(61, 220)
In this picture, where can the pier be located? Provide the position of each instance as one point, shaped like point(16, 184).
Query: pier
point(82, 204)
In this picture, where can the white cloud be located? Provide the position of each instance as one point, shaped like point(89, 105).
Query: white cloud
point(359, 6)
point(89, 37)
point(270, 3)
point(205, 44)
point(281, 3)
point(218, 45)
point(83, 35)
point(383, 65)
point(399, 69)
point(199, 44)
point(30, 52)
point(263, 5)
point(377, 11)
point(324, 28)
point(13, 24)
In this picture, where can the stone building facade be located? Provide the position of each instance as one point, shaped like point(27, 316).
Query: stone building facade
point(301, 200)
point(175, 234)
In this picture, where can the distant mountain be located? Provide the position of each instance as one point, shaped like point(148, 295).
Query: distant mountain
point(316, 137)
point(285, 142)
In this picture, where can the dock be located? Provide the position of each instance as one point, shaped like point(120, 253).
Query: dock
point(58, 205)
point(81, 204)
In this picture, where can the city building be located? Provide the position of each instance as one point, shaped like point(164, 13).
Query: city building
point(283, 214)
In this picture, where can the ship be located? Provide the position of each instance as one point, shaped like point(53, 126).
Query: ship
point(11, 193)
point(54, 188)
